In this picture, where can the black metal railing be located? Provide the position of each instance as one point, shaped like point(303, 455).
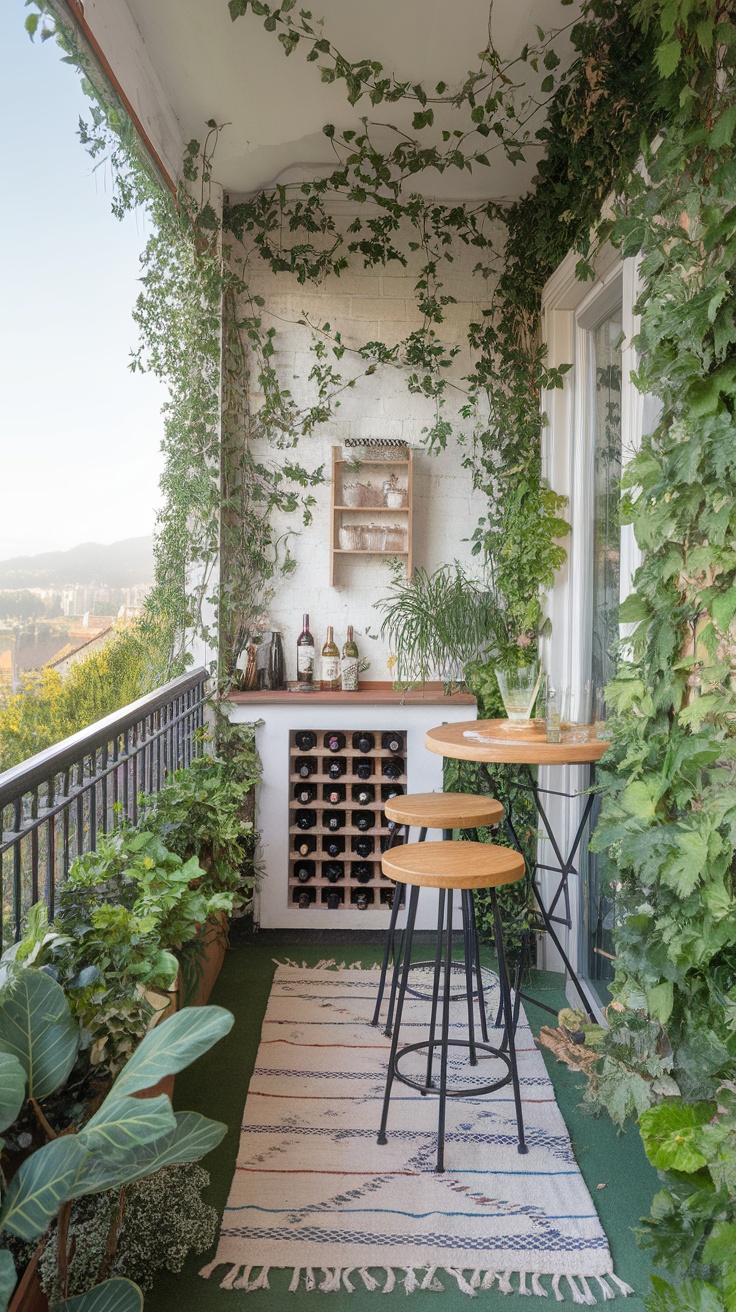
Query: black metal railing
point(54, 805)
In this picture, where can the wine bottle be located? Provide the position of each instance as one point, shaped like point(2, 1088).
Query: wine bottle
point(304, 871)
point(387, 897)
point(305, 793)
point(305, 765)
point(305, 740)
point(362, 898)
point(364, 769)
point(363, 846)
point(333, 845)
point(330, 664)
point(333, 870)
point(363, 742)
point(333, 819)
point(336, 767)
point(305, 656)
point(392, 742)
point(363, 820)
point(393, 768)
point(334, 742)
point(305, 897)
point(305, 844)
point(350, 664)
point(334, 794)
point(362, 871)
point(306, 819)
point(386, 840)
point(333, 897)
point(276, 664)
point(391, 790)
point(363, 794)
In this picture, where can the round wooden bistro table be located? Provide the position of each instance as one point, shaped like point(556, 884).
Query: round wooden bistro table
point(500, 742)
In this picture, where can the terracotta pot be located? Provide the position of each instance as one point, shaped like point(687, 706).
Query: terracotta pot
point(29, 1296)
point(213, 939)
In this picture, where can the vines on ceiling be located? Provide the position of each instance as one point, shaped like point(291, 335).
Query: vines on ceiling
point(651, 79)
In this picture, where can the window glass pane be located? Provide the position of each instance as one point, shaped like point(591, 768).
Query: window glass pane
point(605, 349)
point(604, 409)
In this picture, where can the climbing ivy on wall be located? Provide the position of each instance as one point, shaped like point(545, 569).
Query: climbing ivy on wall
point(668, 822)
point(650, 78)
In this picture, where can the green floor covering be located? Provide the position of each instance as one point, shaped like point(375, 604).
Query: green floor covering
point(216, 1085)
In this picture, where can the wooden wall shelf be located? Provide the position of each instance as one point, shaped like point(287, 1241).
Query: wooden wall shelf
point(342, 516)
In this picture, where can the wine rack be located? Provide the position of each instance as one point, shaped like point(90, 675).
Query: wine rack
point(344, 810)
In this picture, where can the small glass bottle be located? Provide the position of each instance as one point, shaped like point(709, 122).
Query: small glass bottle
point(330, 663)
point(305, 656)
point(552, 717)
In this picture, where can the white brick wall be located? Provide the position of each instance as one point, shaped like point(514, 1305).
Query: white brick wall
point(365, 305)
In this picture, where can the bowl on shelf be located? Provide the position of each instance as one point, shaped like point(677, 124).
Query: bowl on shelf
point(374, 537)
point(375, 448)
point(396, 537)
point(350, 537)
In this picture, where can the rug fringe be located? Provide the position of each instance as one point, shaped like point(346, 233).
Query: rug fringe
point(335, 1279)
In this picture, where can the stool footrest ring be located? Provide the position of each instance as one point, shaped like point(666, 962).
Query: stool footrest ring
point(474, 1091)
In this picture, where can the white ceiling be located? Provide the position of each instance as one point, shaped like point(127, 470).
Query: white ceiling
point(237, 73)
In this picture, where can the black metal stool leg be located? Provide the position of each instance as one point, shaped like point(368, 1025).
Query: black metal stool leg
point(397, 964)
point(509, 1019)
point(411, 917)
point(468, 959)
point(435, 986)
point(478, 975)
point(387, 951)
point(445, 1040)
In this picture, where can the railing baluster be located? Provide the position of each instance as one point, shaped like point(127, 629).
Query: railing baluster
point(54, 806)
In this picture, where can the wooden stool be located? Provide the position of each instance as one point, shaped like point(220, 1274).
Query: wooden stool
point(445, 811)
point(449, 866)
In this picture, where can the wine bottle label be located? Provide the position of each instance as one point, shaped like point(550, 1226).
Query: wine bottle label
point(330, 669)
point(349, 674)
point(305, 660)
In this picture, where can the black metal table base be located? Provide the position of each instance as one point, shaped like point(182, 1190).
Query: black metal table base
point(565, 868)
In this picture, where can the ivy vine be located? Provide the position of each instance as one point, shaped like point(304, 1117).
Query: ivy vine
point(651, 79)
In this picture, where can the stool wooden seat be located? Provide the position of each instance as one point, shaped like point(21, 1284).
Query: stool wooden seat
point(453, 865)
point(444, 810)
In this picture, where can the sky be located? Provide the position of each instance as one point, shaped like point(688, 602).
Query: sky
point(79, 434)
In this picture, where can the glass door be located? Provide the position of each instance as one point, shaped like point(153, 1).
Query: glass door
point(602, 435)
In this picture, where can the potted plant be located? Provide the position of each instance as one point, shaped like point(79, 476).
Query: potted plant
point(122, 1140)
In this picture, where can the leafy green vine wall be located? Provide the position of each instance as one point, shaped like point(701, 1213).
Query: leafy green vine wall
point(668, 823)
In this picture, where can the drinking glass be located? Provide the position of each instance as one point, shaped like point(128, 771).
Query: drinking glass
point(519, 688)
point(576, 703)
point(599, 714)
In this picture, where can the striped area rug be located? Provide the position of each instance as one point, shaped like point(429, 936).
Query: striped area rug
point(313, 1192)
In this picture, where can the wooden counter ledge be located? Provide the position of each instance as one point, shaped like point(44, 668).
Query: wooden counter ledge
point(371, 694)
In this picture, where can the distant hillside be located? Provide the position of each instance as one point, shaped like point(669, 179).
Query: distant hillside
point(119, 565)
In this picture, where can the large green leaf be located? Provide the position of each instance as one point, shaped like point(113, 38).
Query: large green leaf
point(45, 1180)
point(8, 1278)
point(116, 1295)
point(670, 1132)
point(690, 1296)
point(123, 1123)
point(193, 1136)
point(174, 1043)
point(12, 1088)
point(37, 1027)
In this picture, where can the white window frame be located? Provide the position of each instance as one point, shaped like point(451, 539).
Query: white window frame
point(570, 309)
